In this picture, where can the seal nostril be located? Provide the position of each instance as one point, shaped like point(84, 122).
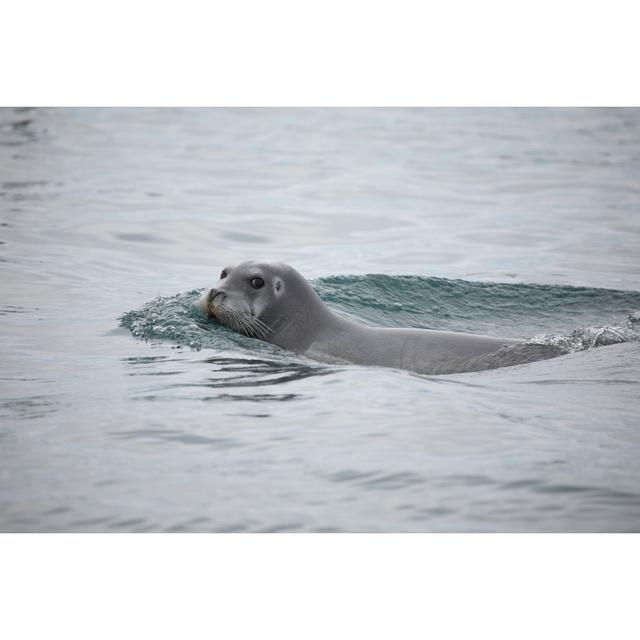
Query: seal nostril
point(216, 294)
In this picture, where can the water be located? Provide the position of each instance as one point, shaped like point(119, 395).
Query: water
point(121, 409)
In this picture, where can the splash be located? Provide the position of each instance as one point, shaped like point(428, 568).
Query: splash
point(592, 337)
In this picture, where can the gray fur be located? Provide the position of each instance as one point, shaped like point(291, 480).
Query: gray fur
point(289, 313)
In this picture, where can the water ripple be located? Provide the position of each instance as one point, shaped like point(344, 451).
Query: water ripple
point(182, 437)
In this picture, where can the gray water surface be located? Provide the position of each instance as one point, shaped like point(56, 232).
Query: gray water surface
point(120, 410)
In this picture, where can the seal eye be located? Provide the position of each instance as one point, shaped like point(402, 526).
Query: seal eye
point(223, 275)
point(257, 283)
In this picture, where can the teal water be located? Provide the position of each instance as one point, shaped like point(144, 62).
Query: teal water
point(545, 314)
point(122, 409)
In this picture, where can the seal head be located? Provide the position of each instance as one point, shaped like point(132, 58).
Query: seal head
point(272, 302)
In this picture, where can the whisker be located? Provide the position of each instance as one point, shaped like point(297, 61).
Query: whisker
point(240, 321)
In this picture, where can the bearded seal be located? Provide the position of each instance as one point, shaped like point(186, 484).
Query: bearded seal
point(274, 303)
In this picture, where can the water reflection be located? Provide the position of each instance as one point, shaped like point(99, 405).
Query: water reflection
point(225, 373)
point(255, 372)
point(378, 480)
point(255, 397)
point(9, 309)
point(137, 360)
point(182, 437)
point(18, 129)
point(30, 408)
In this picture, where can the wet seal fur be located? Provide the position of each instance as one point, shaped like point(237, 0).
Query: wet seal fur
point(274, 303)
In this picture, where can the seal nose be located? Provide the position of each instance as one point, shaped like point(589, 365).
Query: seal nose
point(215, 293)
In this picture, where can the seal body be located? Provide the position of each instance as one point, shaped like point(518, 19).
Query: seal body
point(273, 302)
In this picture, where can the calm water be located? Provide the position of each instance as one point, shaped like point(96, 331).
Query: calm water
point(121, 409)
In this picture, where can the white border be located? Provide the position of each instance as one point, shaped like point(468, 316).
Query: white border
point(344, 53)
point(319, 586)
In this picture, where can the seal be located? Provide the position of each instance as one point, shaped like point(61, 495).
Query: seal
point(274, 303)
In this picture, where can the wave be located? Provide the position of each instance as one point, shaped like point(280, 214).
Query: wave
point(538, 314)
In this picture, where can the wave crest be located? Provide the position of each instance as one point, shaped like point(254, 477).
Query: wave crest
point(550, 313)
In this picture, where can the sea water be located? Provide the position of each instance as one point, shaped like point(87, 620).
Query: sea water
point(123, 409)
